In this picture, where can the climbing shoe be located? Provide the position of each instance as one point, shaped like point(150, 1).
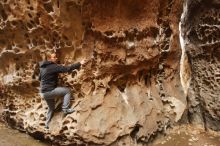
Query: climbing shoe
point(68, 111)
point(46, 126)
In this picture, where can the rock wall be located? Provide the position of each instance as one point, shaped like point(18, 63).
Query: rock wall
point(142, 76)
point(200, 25)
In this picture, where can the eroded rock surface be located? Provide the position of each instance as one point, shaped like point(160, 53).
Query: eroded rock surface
point(135, 83)
point(201, 42)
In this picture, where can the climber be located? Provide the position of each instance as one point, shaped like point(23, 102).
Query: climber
point(48, 77)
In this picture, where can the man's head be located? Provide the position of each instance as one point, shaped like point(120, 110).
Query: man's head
point(51, 57)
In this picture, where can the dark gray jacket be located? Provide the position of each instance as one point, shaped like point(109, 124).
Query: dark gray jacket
point(49, 74)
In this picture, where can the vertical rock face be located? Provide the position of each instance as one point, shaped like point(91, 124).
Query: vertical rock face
point(200, 30)
point(138, 73)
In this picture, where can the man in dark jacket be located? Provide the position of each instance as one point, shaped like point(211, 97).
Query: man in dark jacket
point(49, 71)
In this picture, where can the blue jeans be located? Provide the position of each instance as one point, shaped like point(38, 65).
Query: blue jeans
point(50, 99)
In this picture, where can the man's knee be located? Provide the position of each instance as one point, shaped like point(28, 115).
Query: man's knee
point(67, 90)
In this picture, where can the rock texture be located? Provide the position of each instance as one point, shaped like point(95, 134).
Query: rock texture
point(200, 26)
point(147, 67)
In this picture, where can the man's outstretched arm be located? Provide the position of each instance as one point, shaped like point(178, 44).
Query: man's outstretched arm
point(63, 69)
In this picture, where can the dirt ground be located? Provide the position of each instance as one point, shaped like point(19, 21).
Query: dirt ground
point(188, 136)
point(11, 137)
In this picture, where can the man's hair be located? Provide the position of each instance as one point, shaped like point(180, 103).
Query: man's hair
point(48, 54)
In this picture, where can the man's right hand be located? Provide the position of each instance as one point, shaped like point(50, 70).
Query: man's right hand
point(82, 62)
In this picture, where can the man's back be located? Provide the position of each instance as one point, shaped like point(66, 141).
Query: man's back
point(48, 77)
